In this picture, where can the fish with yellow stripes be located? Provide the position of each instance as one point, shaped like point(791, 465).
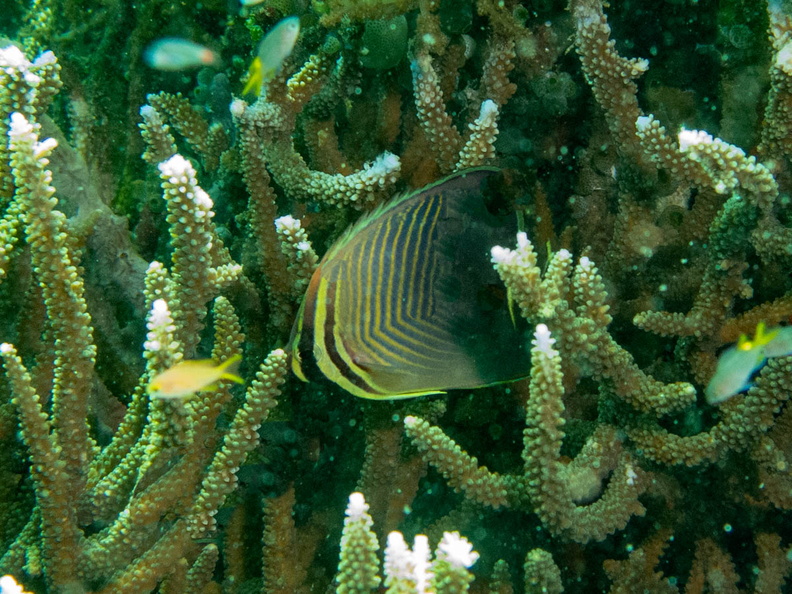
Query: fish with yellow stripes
point(406, 303)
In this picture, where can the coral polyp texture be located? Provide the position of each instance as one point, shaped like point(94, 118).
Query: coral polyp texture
point(151, 218)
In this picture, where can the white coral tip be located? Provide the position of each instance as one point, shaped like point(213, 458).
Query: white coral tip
point(176, 166)
point(46, 58)
point(632, 477)
point(421, 553)
point(160, 314)
point(398, 558)
point(12, 56)
point(44, 148)
point(643, 123)
point(286, 222)
point(689, 138)
point(489, 110)
point(500, 255)
point(237, 108)
point(147, 112)
point(357, 506)
point(8, 585)
point(543, 341)
point(19, 125)
point(386, 163)
point(457, 550)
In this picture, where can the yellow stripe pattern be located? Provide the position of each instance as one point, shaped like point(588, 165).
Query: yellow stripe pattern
point(376, 318)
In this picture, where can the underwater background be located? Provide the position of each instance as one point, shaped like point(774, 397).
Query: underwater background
point(161, 210)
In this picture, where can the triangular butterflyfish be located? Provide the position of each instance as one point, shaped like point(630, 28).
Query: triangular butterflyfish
point(406, 303)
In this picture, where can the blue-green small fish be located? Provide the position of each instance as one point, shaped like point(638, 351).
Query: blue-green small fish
point(737, 363)
point(406, 303)
point(276, 46)
point(175, 54)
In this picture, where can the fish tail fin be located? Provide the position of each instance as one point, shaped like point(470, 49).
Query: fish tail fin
point(230, 364)
point(230, 361)
point(255, 78)
point(228, 368)
point(233, 377)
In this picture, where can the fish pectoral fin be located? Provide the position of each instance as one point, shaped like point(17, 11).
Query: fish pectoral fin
point(368, 364)
point(363, 360)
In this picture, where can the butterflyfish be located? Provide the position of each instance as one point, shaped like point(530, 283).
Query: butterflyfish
point(188, 377)
point(406, 303)
point(276, 46)
point(737, 364)
point(174, 54)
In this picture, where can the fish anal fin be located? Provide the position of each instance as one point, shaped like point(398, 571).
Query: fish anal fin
point(415, 394)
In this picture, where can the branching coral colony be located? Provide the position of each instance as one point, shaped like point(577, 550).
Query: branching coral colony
point(627, 480)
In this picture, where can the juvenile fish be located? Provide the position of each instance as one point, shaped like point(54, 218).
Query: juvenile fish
point(276, 46)
point(188, 377)
point(173, 54)
point(737, 363)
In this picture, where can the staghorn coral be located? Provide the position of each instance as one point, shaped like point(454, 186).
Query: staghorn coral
point(187, 223)
point(406, 571)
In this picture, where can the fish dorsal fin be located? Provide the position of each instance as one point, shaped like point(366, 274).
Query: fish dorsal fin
point(383, 208)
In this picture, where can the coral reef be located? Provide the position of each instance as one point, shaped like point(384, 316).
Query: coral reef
point(152, 217)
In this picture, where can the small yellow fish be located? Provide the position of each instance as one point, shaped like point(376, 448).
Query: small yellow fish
point(276, 46)
point(188, 377)
point(737, 363)
point(173, 54)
